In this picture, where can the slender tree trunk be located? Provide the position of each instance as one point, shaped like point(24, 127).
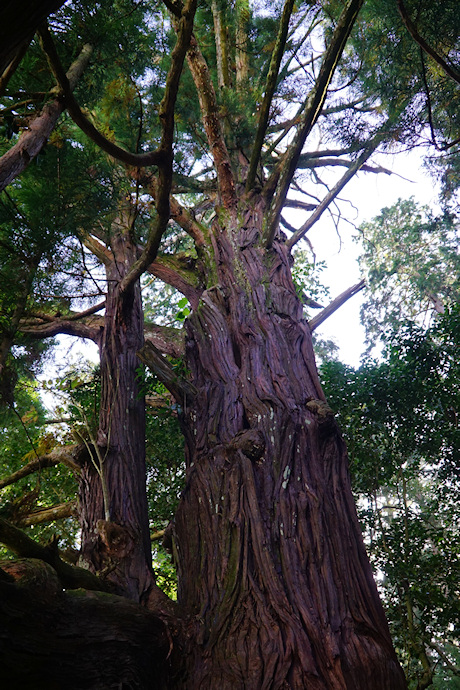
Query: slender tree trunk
point(113, 500)
point(271, 563)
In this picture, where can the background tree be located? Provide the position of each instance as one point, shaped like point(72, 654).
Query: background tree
point(183, 174)
point(400, 423)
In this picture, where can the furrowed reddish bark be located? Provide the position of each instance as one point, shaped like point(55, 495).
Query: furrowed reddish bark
point(115, 535)
point(272, 567)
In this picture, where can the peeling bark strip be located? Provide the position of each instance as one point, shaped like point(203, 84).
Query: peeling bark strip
point(271, 563)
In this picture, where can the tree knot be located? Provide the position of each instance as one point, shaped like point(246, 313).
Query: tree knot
point(116, 538)
point(320, 408)
point(250, 442)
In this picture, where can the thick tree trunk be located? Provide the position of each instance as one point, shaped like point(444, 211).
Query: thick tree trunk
point(271, 563)
point(113, 500)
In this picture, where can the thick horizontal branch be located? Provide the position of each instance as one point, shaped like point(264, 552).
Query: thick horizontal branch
point(182, 390)
point(57, 512)
point(32, 140)
point(67, 455)
point(88, 327)
point(335, 304)
point(302, 205)
point(450, 70)
point(159, 534)
point(324, 162)
point(23, 546)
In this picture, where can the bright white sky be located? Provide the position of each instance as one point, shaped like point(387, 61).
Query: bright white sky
point(369, 193)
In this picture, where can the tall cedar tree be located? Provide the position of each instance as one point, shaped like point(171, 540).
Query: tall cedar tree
point(196, 123)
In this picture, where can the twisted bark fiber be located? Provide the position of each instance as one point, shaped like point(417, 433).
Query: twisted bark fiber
point(272, 567)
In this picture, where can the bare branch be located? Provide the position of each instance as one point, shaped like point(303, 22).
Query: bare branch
point(302, 205)
point(31, 141)
point(335, 304)
point(270, 87)
point(323, 162)
point(282, 177)
point(337, 188)
point(220, 33)
point(450, 70)
point(86, 328)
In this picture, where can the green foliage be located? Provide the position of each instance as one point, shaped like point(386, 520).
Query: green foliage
point(411, 263)
point(400, 421)
point(23, 438)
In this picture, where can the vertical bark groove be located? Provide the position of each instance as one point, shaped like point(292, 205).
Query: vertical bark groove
point(272, 568)
point(115, 536)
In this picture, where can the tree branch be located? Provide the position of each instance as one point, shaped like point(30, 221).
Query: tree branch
point(220, 34)
point(281, 178)
point(167, 340)
point(179, 213)
point(335, 304)
point(450, 70)
point(437, 648)
point(323, 162)
point(57, 512)
point(270, 87)
point(184, 27)
point(67, 455)
point(182, 390)
point(31, 141)
point(157, 157)
point(352, 170)
point(211, 122)
point(71, 576)
point(166, 268)
point(90, 328)
point(99, 250)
